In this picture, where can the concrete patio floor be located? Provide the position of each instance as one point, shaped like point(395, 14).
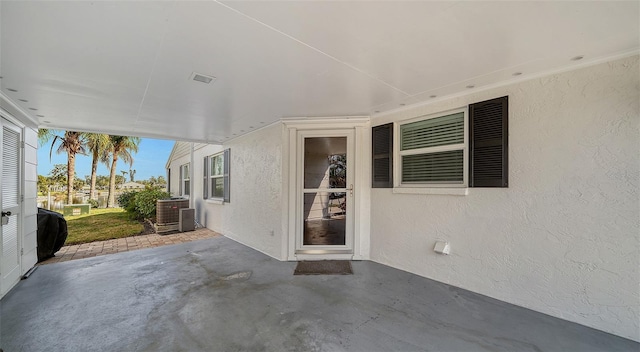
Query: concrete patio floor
point(218, 295)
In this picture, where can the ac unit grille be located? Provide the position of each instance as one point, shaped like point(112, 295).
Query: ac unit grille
point(168, 210)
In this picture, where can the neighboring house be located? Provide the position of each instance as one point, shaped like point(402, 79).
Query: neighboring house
point(132, 186)
point(561, 171)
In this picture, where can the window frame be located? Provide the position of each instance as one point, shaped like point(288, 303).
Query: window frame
point(207, 193)
point(185, 191)
point(428, 187)
point(209, 177)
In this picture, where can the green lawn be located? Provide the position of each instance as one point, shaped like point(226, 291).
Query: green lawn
point(100, 225)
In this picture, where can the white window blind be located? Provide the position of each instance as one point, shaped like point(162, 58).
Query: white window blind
point(10, 171)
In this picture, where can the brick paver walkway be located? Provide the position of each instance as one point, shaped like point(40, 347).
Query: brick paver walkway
point(126, 244)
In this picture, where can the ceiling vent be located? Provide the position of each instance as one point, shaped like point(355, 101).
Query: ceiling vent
point(202, 78)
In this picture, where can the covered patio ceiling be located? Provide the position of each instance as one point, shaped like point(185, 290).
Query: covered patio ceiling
point(127, 67)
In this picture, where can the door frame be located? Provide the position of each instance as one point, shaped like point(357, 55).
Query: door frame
point(359, 126)
point(347, 248)
point(19, 128)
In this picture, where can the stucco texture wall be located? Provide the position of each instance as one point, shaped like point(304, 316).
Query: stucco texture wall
point(254, 215)
point(564, 238)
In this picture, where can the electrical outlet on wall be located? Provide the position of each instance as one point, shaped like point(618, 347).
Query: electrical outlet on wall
point(442, 247)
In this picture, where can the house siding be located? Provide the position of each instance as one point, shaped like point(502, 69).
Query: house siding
point(29, 178)
point(564, 238)
point(30, 208)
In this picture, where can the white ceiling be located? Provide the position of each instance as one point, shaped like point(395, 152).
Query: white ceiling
point(125, 67)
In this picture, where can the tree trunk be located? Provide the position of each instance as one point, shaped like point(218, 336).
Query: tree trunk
point(112, 183)
point(94, 171)
point(71, 174)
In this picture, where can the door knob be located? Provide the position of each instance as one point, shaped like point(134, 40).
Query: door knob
point(350, 189)
point(5, 217)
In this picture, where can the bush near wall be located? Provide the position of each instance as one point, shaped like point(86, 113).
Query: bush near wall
point(125, 200)
point(142, 204)
point(94, 203)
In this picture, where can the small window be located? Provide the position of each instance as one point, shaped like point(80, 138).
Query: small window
point(216, 176)
point(432, 151)
point(185, 182)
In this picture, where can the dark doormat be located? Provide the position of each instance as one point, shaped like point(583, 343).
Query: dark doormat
point(324, 267)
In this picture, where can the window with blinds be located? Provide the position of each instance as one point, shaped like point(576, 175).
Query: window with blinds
point(185, 182)
point(216, 176)
point(432, 151)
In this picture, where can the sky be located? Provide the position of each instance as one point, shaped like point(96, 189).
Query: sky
point(149, 161)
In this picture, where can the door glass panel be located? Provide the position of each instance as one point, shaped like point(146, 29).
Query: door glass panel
point(325, 218)
point(324, 212)
point(325, 160)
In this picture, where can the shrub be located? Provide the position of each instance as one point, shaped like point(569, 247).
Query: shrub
point(145, 203)
point(94, 203)
point(125, 200)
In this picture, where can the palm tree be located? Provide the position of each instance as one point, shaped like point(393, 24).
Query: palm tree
point(121, 147)
point(71, 143)
point(98, 144)
point(45, 135)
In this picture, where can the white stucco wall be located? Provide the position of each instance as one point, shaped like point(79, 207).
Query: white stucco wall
point(254, 215)
point(564, 238)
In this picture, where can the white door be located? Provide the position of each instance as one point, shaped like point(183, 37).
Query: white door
point(10, 206)
point(325, 221)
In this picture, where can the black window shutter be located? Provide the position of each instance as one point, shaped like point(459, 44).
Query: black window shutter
point(227, 175)
point(205, 176)
point(488, 143)
point(382, 156)
point(168, 180)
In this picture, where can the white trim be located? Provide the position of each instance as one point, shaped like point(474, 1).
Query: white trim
point(299, 257)
point(16, 113)
point(398, 154)
point(181, 175)
point(228, 140)
point(441, 191)
point(170, 158)
point(438, 149)
point(349, 134)
point(191, 176)
point(289, 180)
point(6, 120)
point(218, 201)
point(209, 176)
point(325, 123)
point(424, 100)
point(290, 231)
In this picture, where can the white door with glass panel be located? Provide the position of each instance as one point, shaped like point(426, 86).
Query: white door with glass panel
point(10, 162)
point(325, 192)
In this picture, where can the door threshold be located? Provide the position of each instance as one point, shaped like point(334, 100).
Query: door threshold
point(324, 251)
point(325, 256)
